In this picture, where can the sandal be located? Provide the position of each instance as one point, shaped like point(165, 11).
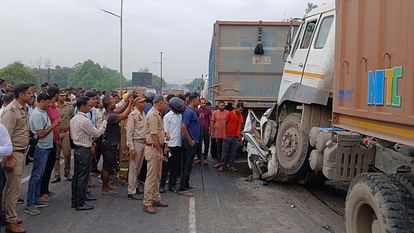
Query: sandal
point(185, 193)
point(109, 192)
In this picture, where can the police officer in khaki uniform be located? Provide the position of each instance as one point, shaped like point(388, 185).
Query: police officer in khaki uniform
point(136, 143)
point(154, 156)
point(65, 111)
point(15, 119)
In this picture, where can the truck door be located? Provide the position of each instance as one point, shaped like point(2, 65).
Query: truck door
point(296, 61)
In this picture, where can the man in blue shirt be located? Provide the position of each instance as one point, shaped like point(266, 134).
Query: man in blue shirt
point(190, 128)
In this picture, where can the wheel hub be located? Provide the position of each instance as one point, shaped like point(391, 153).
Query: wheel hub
point(289, 142)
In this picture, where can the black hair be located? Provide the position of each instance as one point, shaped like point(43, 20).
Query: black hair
point(42, 96)
point(8, 97)
point(192, 96)
point(106, 101)
point(20, 89)
point(91, 94)
point(220, 102)
point(181, 96)
point(53, 91)
point(81, 101)
point(169, 97)
point(239, 105)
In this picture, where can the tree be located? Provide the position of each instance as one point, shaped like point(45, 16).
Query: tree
point(310, 7)
point(16, 73)
point(90, 75)
point(196, 85)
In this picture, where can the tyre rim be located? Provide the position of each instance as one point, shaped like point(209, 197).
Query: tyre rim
point(365, 219)
point(290, 140)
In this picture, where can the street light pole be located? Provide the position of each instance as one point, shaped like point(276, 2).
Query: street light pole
point(161, 72)
point(120, 44)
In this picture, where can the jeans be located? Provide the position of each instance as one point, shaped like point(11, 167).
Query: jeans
point(188, 159)
point(80, 176)
point(229, 150)
point(205, 138)
point(40, 158)
point(44, 186)
point(219, 149)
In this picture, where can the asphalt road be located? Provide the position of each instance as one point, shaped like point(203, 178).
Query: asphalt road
point(229, 203)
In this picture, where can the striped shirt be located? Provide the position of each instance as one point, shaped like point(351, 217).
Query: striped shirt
point(82, 131)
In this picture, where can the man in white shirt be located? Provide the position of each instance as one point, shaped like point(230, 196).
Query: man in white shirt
point(82, 133)
point(6, 148)
point(172, 128)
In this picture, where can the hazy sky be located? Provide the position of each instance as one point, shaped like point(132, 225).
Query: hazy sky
point(69, 31)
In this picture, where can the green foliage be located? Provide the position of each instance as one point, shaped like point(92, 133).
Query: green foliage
point(90, 75)
point(196, 85)
point(16, 73)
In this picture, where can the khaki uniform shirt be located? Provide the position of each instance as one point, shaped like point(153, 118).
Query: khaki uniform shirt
point(65, 113)
point(154, 125)
point(135, 128)
point(15, 120)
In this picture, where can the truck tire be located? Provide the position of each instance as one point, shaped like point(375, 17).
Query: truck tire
point(377, 203)
point(292, 146)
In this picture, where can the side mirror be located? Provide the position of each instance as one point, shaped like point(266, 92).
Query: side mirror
point(288, 44)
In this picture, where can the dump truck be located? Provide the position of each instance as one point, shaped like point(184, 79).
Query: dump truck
point(345, 111)
point(246, 62)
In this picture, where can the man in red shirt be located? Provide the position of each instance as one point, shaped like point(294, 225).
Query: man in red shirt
point(234, 122)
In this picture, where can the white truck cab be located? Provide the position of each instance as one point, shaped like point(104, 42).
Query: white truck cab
point(310, 58)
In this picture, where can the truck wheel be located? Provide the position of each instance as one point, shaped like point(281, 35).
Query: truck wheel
point(377, 203)
point(292, 146)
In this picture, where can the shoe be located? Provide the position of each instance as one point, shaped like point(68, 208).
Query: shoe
point(19, 221)
point(85, 207)
point(20, 201)
point(134, 197)
point(92, 185)
point(160, 203)
point(31, 210)
point(205, 162)
point(57, 179)
point(45, 198)
point(149, 209)
point(162, 190)
point(41, 205)
point(14, 228)
point(220, 169)
point(94, 174)
point(217, 165)
point(89, 197)
point(196, 161)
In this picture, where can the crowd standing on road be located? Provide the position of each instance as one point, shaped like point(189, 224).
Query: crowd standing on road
point(147, 141)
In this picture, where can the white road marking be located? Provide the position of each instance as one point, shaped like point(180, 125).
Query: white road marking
point(192, 216)
point(27, 178)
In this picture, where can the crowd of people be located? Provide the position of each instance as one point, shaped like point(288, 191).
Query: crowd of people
point(142, 139)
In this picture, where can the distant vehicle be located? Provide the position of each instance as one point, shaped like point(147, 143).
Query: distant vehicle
point(246, 62)
point(345, 111)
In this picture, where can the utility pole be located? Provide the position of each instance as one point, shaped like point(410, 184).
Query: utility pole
point(120, 44)
point(161, 72)
point(120, 52)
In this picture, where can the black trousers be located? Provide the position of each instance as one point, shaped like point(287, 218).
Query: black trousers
point(98, 151)
point(188, 159)
point(205, 138)
point(80, 176)
point(213, 148)
point(44, 186)
point(172, 167)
